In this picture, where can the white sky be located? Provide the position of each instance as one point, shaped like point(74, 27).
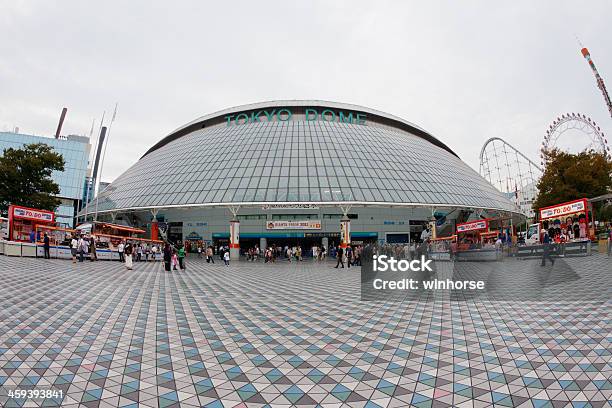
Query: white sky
point(465, 71)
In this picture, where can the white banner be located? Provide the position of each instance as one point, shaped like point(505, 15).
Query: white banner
point(345, 233)
point(290, 207)
point(21, 212)
point(300, 225)
point(472, 226)
point(562, 209)
point(234, 234)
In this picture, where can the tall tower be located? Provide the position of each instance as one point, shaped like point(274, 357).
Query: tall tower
point(600, 82)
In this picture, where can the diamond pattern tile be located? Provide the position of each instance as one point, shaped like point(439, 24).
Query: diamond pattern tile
point(255, 335)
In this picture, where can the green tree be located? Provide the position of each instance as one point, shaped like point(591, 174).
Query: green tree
point(25, 177)
point(570, 176)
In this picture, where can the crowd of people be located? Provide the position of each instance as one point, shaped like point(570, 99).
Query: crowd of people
point(351, 256)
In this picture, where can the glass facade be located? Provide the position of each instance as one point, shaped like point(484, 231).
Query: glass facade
point(75, 150)
point(300, 160)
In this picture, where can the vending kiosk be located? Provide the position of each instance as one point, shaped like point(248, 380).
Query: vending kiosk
point(23, 222)
point(22, 225)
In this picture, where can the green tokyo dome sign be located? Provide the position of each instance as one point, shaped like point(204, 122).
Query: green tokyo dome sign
point(285, 114)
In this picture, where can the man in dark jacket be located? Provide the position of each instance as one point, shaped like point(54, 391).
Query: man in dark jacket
point(339, 256)
point(547, 247)
point(167, 257)
point(46, 246)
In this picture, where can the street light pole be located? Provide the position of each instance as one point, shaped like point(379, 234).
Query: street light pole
point(104, 157)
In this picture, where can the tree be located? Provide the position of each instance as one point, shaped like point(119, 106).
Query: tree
point(572, 176)
point(25, 177)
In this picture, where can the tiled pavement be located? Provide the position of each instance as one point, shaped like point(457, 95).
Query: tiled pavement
point(282, 335)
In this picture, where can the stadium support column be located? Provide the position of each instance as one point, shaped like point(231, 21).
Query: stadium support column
point(234, 234)
point(345, 226)
point(345, 232)
point(154, 225)
point(235, 240)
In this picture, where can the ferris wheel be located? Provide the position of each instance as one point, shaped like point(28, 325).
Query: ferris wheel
point(572, 122)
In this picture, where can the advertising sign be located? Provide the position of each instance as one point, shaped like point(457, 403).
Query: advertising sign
point(290, 207)
point(300, 225)
point(345, 233)
point(60, 252)
point(32, 214)
point(234, 234)
point(473, 226)
point(570, 207)
point(193, 236)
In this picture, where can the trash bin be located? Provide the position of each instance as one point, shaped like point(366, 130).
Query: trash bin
point(603, 246)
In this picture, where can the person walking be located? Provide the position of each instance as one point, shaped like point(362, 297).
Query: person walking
point(199, 251)
point(128, 251)
point(174, 259)
point(153, 252)
point(120, 249)
point(46, 245)
point(181, 257)
point(349, 256)
point(339, 256)
point(226, 258)
point(167, 257)
point(83, 249)
point(209, 255)
point(93, 256)
point(609, 239)
point(547, 247)
point(74, 245)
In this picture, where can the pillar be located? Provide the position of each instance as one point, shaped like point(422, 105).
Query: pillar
point(263, 243)
point(433, 229)
point(345, 232)
point(154, 229)
point(325, 243)
point(235, 240)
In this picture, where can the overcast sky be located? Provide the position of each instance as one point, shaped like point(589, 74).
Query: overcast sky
point(465, 71)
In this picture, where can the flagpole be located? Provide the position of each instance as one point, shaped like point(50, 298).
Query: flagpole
point(110, 126)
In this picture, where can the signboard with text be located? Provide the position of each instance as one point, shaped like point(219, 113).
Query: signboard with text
point(301, 225)
point(571, 207)
point(473, 226)
point(290, 207)
point(32, 214)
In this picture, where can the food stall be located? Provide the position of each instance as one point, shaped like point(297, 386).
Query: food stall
point(569, 228)
point(476, 242)
point(59, 241)
point(442, 248)
point(108, 236)
point(106, 246)
point(22, 223)
point(108, 228)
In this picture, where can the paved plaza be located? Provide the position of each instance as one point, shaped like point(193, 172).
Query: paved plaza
point(290, 334)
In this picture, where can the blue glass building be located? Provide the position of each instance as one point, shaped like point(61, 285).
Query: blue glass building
point(75, 150)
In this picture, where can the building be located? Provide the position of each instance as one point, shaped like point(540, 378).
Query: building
point(88, 193)
point(289, 171)
point(75, 150)
point(526, 195)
